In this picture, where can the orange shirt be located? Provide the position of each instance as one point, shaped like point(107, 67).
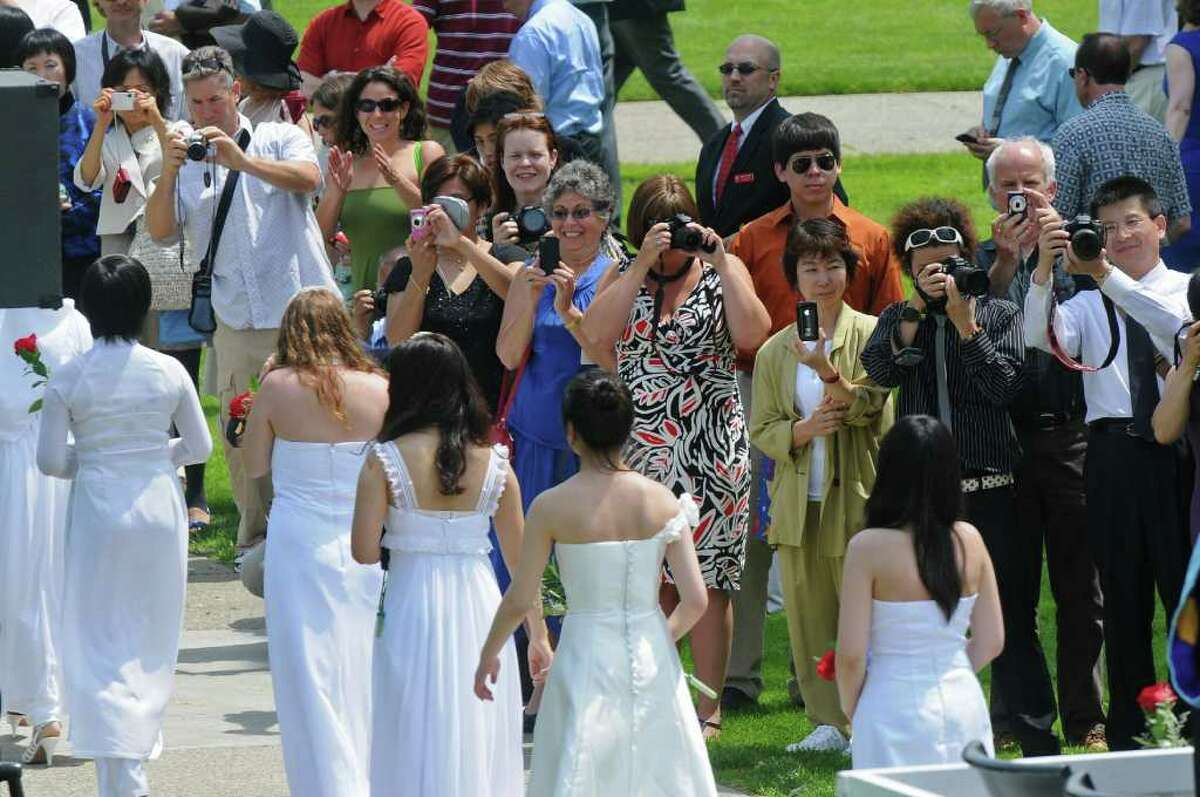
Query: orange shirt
point(760, 245)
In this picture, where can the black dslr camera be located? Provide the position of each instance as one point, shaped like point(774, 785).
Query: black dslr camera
point(532, 223)
point(197, 146)
point(969, 280)
point(1087, 236)
point(684, 237)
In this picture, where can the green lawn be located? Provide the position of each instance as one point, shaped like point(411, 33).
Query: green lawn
point(750, 754)
point(832, 46)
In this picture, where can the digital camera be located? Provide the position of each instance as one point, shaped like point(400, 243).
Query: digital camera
point(1087, 236)
point(532, 223)
point(969, 280)
point(684, 237)
point(197, 146)
point(416, 221)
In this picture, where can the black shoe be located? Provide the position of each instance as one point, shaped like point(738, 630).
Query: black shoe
point(735, 700)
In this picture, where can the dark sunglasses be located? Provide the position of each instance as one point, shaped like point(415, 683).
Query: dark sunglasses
point(744, 68)
point(579, 213)
point(324, 120)
point(387, 105)
point(802, 163)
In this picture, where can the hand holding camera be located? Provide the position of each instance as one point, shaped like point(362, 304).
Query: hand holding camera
point(1085, 251)
point(362, 310)
point(221, 149)
point(960, 304)
point(103, 109)
point(1190, 350)
point(504, 229)
point(657, 241)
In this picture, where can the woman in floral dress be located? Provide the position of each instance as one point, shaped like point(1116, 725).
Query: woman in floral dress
point(676, 317)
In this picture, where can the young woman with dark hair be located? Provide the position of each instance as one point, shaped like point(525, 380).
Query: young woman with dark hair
point(435, 482)
point(374, 173)
point(616, 716)
point(914, 582)
point(104, 423)
point(322, 400)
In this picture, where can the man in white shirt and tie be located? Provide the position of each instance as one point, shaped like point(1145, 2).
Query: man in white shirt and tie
point(1123, 334)
point(1146, 28)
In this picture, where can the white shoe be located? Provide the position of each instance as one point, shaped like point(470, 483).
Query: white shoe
point(825, 739)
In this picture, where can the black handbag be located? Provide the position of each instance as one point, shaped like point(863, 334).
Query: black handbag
point(200, 312)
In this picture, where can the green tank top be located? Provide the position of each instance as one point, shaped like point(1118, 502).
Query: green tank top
point(375, 220)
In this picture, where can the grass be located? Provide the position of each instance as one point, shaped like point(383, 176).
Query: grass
point(830, 46)
point(750, 754)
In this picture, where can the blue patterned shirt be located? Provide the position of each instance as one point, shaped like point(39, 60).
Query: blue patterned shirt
point(1114, 138)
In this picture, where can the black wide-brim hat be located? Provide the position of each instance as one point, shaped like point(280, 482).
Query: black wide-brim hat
point(262, 49)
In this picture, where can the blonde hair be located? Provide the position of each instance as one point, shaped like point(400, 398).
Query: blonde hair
point(502, 75)
point(316, 341)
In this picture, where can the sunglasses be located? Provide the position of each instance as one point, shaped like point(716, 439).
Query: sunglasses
point(324, 120)
point(938, 235)
point(744, 68)
point(387, 105)
point(207, 65)
point(802, 163)
point(579, 213)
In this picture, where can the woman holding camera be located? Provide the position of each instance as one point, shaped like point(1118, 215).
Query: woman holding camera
point(375, 169)
point(676, 316)
point(526, 155)
point(820, 423)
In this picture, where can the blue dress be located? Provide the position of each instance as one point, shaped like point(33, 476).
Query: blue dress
point(1184, 254)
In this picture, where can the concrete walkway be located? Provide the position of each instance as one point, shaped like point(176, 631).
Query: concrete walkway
point(870, 124)
point(221, 733)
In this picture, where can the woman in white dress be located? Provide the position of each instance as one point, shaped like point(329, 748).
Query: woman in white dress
point(32, 524)
point(913, 583)
point(434, 481)
point(126, 539)
point(321, 403)
point(616, 717)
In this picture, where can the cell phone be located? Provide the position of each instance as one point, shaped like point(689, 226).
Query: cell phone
point(966, 138)
point(122, 100)
point(806, 321)
point(548, 254)
point(1017, 204)
point(416, 221)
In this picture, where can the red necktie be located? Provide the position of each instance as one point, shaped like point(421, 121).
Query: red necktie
point(728, 156)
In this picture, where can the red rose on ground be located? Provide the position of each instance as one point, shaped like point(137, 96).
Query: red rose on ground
point(1153, 696)
point(826, 670)
point(27, 345)
point(239, 406)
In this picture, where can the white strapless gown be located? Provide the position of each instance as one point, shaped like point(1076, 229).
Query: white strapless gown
point(921, 702)
point(320, 610)
point(616, 717)
point(431, 737)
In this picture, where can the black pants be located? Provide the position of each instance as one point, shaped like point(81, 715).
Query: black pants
point(1051, 505)
point(1139, 543)
point(1019, 673)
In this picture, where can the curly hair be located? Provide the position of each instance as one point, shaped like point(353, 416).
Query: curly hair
point(584, 178)
point(929, 213)
point(825, 238)
point(350, 134)
point(316, 341)
point(657, 199)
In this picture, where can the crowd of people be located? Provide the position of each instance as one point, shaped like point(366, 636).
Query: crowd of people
point(448, 374)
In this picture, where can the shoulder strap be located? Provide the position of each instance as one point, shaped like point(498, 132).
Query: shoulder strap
point(394, 468)
point(495, 482)
point(418, 158)
point(214, 239)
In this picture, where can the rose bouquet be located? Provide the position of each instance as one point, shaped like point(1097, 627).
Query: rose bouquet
point(1164, 728)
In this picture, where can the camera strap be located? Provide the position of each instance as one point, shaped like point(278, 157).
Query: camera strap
point(1114, 333)
point(214, 238)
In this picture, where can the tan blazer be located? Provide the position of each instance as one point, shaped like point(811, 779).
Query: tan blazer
point(851, 453)
point(118, 153)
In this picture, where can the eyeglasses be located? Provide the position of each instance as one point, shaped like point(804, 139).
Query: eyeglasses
point(939, 235)
point(520, 115)
point(324, 120)
point(802, 163)
point(207, 65)
point(743, 68)
point(579, 213)
point(387, 105)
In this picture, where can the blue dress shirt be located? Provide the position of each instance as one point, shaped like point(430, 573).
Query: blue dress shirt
point(557, 46)
point(1042, 96)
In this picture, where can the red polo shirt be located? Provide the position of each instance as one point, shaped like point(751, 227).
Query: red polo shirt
point(760, 246)
point(337, 39)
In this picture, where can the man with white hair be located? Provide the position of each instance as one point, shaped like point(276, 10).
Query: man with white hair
point(1048, 415)
point(1029, 92)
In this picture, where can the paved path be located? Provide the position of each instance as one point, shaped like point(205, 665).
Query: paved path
point(870, 124)
point(221, 734)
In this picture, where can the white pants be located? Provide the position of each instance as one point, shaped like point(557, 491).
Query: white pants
point(121, 777)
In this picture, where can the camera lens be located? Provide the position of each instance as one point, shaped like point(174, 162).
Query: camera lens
point(532, 223)
point(197, 147)
point(1086, 244)
point(972, 281)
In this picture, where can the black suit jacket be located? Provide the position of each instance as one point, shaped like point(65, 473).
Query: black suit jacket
point(752, 189)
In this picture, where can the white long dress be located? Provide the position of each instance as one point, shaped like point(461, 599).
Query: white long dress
point(921, 702)
point(320, 609)
point(431, 736)
point(33, 514)
point(126, 539)
point(616, 717)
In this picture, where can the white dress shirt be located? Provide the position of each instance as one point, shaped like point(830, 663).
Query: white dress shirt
point(1157, 18)
point(89, 66)
point(271, 246)
point(62, 15)
point(1158, 301)
point(810, 391)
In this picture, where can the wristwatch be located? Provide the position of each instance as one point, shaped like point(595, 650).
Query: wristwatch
point(911, 314)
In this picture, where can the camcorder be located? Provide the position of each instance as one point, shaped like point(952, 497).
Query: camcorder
point(1087, 236)
point(684, 238)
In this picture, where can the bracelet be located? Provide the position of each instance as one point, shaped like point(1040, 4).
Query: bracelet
point(837, 377)
point(573, 324)
point(424, 288)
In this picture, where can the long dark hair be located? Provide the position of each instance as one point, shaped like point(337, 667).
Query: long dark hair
point(918, 484)
point(430, 386)
point(350, 134)
point(149, 64)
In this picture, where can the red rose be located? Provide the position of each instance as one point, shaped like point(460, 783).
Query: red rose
point(1155, 695)
point(239, 406)
point(26, 345)
point(826, 669)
